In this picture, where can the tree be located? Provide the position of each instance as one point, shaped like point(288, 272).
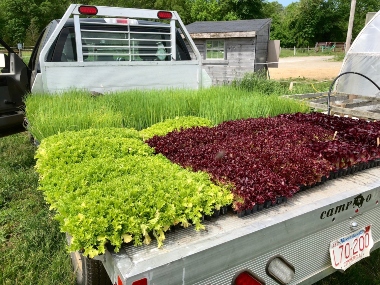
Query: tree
point(209, 10)
point(15, 18)
point(32, 33)
point(299, 24)
point(309, 21)
point(181, 6)
point(275, 11)
point(246, 9)
point(18, 15)
point(272, 10)
point(283, 27)
point(362, 8)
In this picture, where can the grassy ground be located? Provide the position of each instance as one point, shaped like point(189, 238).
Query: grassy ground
point(366, 272)
point(32, 249)
point(307, 52)
point(337, 55)
point(26, 56)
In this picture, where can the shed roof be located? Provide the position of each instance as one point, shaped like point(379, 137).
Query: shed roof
point(227, 26)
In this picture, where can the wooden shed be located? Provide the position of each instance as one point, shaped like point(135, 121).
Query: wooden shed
point(231, 48)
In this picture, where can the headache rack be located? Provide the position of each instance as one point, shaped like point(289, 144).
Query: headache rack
point(117, 49)
point(125, 34)
point(131, 40)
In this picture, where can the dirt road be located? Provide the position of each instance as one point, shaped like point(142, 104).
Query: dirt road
point(311, 67)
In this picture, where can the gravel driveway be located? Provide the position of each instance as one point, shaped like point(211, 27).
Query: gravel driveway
point(311, 67)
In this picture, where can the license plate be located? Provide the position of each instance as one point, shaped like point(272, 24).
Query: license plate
point(351, 248)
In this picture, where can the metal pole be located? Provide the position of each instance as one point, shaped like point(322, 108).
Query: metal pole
point(350, 25)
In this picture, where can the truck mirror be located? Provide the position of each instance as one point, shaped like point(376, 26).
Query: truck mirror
point(2, 60)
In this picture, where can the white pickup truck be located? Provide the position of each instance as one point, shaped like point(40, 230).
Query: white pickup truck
point(300, 241)
point(128, 49)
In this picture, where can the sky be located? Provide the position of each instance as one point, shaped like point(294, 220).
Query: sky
point(284, 2)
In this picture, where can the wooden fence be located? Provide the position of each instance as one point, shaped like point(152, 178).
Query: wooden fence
point(329, 46)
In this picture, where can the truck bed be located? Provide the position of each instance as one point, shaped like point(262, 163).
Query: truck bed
point(300, 228)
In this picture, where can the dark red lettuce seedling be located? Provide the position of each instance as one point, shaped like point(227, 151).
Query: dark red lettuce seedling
point(268, 158)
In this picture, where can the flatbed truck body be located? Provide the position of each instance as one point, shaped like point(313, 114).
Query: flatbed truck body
point(299, 230)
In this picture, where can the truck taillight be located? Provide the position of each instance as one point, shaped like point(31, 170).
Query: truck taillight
point(88, 10)
point(143, 281)
point(246, 278)
point(164, 15)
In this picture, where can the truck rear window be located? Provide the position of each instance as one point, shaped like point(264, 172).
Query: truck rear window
point(118, 43)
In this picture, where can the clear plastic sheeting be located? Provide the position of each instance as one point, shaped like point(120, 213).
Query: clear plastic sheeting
point(363, 57)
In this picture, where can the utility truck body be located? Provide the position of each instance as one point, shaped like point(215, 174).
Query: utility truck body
point(290, 243)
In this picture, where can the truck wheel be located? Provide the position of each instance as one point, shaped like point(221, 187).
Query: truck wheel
point(89, 271)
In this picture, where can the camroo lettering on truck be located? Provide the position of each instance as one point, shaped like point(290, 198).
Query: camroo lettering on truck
point(299, 241)
point(126, 49)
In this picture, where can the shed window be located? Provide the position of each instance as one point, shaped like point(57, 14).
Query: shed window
point(215, 49)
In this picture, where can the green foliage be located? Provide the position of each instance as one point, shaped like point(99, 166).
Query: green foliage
point(214, 10)
point(181, 6)
point(74, 110)
point(272, 9)
point(77, 110)
point(111, 188)
point(283, 26)
point(311, 52)
point(21, 16)
point(204, 10)
point(113, 141)
point(32, 33)
point(246, 9)
point(339, 56)
point(32, 247)
point(169, 125)
point(301, 23)
point(306, 22)
point(366, 271)
point(257, 81)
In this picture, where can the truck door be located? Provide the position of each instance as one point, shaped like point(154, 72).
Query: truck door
point(14, 84)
